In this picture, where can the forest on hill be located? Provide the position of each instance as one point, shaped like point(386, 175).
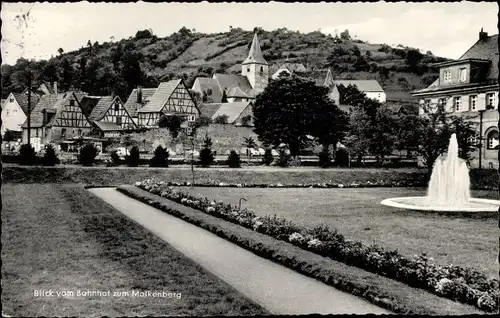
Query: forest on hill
point(145, 59)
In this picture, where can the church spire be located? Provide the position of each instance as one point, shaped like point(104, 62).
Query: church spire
point(329, 79)
point(255, 54)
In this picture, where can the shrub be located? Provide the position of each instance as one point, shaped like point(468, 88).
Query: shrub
point(268, 157)
point(342, 157)
point(133, 158)
point(160, 158)
point(87, 155)
point(206, 154)
point(115, 158)
point(233, 160)
point(27, 155)
point(325, 160)
point(284, 158)
point(50, 157)
point(221, 119)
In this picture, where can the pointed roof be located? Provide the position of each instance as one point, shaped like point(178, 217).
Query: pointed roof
point(160, 96)
point(231, 110)
point(101, 107)
point(22, 100)
point(329, 79)
point(255, 54)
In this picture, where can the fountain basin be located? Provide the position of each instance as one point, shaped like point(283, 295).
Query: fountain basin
point(422, 204)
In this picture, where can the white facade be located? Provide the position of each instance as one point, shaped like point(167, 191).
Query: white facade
point(13, 115)
point(378, 96)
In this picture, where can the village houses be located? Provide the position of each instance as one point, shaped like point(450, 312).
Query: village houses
point(469, 87)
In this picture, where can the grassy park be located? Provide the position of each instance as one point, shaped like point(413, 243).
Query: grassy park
point(60, 237)
point(358, 215)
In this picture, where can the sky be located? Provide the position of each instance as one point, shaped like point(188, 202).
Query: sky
point(446, 29)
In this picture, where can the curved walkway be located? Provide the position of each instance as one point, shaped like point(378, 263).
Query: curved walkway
point(276, 288)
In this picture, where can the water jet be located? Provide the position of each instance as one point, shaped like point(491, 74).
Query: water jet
point(449, 188)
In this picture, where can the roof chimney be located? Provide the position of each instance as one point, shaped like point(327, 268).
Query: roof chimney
point(139, 95)
point(483, 36)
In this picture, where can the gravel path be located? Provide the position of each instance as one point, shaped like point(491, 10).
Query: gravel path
point(276, 288)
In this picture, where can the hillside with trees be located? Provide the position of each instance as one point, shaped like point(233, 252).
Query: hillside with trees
point(145, 59)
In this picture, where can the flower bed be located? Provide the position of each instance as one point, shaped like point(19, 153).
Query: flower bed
point(465, 285)
point(330, 184)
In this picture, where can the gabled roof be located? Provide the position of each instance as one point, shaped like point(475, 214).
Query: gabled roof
point(131, 105)
point(206, 83)
point(209, 109)
point(362, 85)
point(294, 67)
point(160, 97)
point(328, 79)
point(88, 103)
point(255, 54)
point(226, 81)
point(101, 108)
point(50, 102)
point(236, 92)
point(231, 110)
point(486, 49)
point(22, 100)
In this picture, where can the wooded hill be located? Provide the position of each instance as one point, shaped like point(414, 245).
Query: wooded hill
point(145, 59)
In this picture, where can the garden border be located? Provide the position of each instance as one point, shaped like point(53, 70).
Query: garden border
point(331, 272)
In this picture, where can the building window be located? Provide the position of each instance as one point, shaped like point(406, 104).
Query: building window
point(261, 70)
point(63, 132)
point(490, 101)
point(79, 132)
point(36, 132)
point(11, 99)
point(117, 106)
point(447, 75)
point(248, 69)
point(457, 102)
point(473, 102)
point(118, 120)
point(442, 102)
point(463, 74)
point(71, 102)
point(492, 140)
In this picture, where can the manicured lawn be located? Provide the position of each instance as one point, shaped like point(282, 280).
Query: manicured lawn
point(62, 238)
point(358, 215)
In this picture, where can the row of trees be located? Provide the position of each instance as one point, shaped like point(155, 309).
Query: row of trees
point(295, 112)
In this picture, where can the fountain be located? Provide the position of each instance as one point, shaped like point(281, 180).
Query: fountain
point(449, 188)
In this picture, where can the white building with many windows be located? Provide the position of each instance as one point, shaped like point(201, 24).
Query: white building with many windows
point(469, 87)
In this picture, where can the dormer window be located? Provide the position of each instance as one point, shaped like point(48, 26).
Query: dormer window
point(447, 75)
point(463, 74)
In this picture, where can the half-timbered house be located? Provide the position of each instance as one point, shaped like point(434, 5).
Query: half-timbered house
point(138, 98)
point(108, 115)
point(55, 118)
point(170, 98)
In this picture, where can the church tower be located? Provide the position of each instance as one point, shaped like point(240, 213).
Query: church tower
point(255, 67)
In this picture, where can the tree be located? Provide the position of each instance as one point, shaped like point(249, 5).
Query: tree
point(268, 157)
point(413, 57)
point(345, 35)
point(381, 134)
point(172, 122)
point(133, 158)
point(60, 51)
point(285, 111)
point(144, 34)
point(160, 158)
point(233, 160)
point(206, 154)
point(434, 130)
point(224, 97)
point(50, 157)
point(87, 155)
point(221, 119)
point(67, 74)
point(249, 143)
point(357, 139)
point(27, 155)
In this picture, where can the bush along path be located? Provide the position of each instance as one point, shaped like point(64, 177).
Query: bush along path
point(465, 285)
